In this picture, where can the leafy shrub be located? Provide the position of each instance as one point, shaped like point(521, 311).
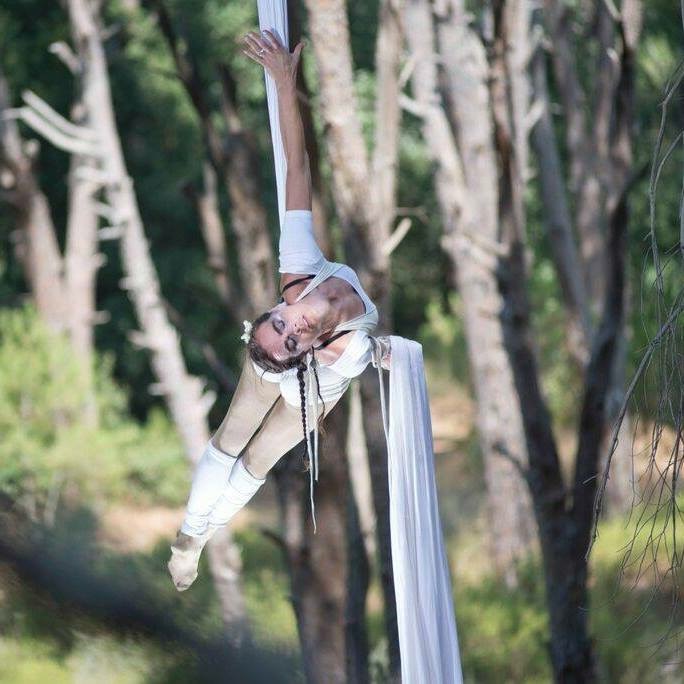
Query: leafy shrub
point(53, 444)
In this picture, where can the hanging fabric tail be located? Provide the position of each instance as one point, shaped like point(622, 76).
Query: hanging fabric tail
point(273, 16)
point(428, 642)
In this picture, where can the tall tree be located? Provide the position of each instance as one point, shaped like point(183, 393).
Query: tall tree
point(38, 247)
point(565, 514)
point(466, 181)
point(659, 367)
point(188, 403)
point(63, 287)
point(489, 161)
point(591, 187)
point(233, 159)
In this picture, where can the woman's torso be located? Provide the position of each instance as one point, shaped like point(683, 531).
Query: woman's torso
point(352, 302)
point(300, 255)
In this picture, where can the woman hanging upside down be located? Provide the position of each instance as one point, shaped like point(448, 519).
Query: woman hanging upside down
point(302, 353)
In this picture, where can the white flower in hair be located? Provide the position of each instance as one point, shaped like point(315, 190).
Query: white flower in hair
point(248, 331)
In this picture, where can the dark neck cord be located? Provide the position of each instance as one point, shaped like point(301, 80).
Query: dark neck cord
point(295, 282)
point(331, 339)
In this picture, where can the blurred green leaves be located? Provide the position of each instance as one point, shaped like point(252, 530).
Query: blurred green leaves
point(50, 445)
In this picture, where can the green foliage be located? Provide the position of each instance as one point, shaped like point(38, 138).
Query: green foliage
point(94, 658)
point(502, 632)
point(51, 442)
point(443, 335)
point(267, 590)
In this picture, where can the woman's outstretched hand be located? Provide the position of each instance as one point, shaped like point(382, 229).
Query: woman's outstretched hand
point(265, 49)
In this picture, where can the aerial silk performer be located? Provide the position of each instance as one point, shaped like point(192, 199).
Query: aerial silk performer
point(301, 357)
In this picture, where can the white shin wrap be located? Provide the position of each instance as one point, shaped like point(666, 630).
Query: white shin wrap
point(208, 484)
point(241, 487)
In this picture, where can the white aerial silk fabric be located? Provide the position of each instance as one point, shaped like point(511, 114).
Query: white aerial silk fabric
point(428, 640)
point(273, 16)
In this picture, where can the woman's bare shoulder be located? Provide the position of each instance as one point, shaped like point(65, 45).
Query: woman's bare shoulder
point(329, 354)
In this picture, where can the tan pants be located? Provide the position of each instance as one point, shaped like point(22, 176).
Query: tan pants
point(260, 425)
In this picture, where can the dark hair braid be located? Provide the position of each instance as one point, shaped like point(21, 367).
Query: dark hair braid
point(301, 367)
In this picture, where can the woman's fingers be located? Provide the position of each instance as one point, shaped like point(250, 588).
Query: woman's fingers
point(297, 53)
point(252, 55)
point(254, 41)
point(265, 47)
point(257, 44)
point(272, 40)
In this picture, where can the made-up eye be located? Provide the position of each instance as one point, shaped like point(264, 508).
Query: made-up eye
point(291, 344)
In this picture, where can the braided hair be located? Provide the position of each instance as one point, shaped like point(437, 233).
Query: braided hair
point(263, 359)
point(301, 369)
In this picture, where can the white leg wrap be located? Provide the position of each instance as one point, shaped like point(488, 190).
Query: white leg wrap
point(208, 483)
point(242, 486)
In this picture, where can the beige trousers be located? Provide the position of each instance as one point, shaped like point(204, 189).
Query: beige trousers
point(260, 425)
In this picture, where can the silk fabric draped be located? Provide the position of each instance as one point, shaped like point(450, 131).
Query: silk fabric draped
point(428, 640)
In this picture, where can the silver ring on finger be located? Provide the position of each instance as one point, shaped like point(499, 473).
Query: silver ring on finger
point(261, 52)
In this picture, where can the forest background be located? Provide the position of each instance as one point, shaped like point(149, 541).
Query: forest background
point(121, 314)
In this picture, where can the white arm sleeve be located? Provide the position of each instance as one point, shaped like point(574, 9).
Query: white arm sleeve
point(299, 252)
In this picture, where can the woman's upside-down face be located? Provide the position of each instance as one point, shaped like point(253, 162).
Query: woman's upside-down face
point(290, 330)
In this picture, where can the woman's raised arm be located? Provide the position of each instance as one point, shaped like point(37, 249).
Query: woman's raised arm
point(266, 49)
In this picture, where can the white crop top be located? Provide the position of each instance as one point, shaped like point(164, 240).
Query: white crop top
point(300, 254)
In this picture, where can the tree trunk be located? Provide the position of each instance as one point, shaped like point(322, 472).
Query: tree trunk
point(571, 652)
point(319, 563)
point(37, 241)
point(358, 577)
point(206, 202)
point(359, 470)
point(565, 522)
point(82, 261)
point(364, 194)
point(559, 226)
point(63, 288)
point(188, 405)
point(561, 240)
point(615, 150)
point(622, 487)
point(248, 214)
point(467, 193)
point(558, 221)
point(584, 179)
